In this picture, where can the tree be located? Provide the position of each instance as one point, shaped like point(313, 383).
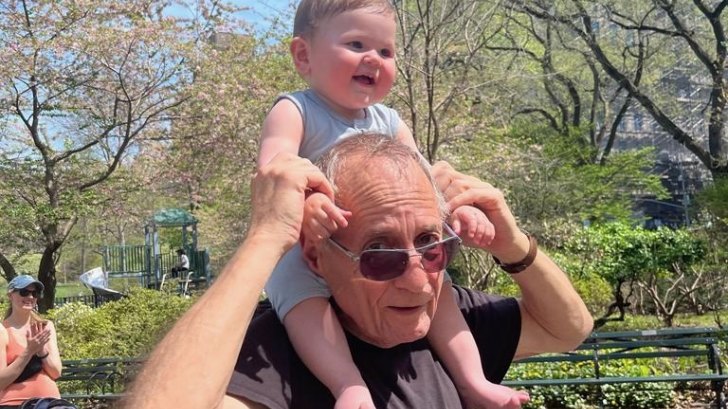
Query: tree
point(213, 153)
point(693, 32)
point(552, 181)
point(659, 261)
point(85, 87)
point(442, 89)
point(573, 93)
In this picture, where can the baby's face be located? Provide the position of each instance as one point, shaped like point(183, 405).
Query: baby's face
point(351, 60)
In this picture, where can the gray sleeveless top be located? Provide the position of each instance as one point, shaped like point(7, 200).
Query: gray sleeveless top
point(322, 127)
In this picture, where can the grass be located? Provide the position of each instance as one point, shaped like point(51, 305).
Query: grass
point(71, 289)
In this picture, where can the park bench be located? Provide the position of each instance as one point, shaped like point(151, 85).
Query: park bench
point(103, 379)
point(699, 345)
point(100, 379)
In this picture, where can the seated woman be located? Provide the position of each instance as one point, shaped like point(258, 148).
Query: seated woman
point(183, 264)
point(29, 358)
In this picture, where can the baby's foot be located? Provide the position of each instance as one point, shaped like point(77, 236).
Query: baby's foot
point(489, 395)
point(355, 397)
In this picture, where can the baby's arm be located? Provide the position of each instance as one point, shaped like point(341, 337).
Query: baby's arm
point(319, 340)
point(451, 338)
point(468, 222)
point(404, 135)
point(282, 131)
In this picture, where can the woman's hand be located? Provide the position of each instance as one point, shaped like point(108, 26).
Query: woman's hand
point(37, 338)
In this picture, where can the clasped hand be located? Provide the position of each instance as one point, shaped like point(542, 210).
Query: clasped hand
point(37, 337)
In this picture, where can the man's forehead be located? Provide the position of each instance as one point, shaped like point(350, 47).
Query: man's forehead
point(363, 175)
point(381, 192)
point(360, 166)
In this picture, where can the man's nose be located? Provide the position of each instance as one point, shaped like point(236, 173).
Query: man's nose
point(415, 277)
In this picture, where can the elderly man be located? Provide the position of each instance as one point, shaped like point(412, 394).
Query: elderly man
point(394, 205)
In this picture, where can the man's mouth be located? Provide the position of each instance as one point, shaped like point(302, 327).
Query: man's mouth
point(406, 309)
point(364, 79)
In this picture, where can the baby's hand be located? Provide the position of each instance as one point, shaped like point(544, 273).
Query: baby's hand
point(472, 226)
point(321, 217)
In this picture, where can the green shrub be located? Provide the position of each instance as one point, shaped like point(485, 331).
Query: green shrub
point(129, 327)
point(639, 396)
point(595, 291)
point(631, 323)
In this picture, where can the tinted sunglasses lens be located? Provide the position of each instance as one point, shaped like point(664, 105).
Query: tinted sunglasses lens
point(24, 293)
point(386, 265)
point(437, 257)
point(383, 265)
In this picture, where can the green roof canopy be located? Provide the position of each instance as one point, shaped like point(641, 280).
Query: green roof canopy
point(173, 218)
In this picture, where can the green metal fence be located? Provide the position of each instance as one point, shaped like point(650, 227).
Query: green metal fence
point(136, 261)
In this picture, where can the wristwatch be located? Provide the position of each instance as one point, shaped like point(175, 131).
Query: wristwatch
point(515, 268)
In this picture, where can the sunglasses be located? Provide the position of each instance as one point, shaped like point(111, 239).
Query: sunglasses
point(387, 264)
point(25, 292)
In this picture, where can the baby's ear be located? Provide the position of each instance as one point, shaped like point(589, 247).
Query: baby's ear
point(301, 58)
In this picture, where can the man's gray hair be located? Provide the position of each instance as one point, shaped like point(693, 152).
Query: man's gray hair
point(365, 147)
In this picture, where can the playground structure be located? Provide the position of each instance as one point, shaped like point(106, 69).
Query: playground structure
point(98, 282)
point(148, 265)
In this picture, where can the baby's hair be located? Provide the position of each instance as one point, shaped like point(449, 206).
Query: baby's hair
point(310, 13)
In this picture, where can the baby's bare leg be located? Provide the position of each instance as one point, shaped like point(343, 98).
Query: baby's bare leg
point(317, 336)
point(454, 343)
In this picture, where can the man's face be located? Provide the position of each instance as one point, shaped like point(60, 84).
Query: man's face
point(389, 210)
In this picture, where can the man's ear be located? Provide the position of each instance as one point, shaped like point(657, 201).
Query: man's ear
point(310, 254)
point(300, 52)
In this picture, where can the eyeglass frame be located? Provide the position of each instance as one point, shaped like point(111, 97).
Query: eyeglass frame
point(357, 257)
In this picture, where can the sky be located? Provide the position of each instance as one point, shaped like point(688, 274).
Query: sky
point(258, 13)
point(261, 11)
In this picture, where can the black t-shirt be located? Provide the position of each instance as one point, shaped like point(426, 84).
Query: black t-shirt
point(407, 376)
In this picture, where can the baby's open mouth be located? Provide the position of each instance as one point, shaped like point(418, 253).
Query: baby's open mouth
point(364, 79)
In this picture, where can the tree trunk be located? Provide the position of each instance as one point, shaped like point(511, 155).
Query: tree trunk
point(47, 276)
point(8, 269)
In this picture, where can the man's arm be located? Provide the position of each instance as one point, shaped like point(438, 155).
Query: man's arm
point(553, 316)
point(192, 365)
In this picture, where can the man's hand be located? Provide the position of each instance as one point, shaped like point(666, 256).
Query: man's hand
point(278, 193)
point(553, 316)
point(321, 217)
point(509, 244)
